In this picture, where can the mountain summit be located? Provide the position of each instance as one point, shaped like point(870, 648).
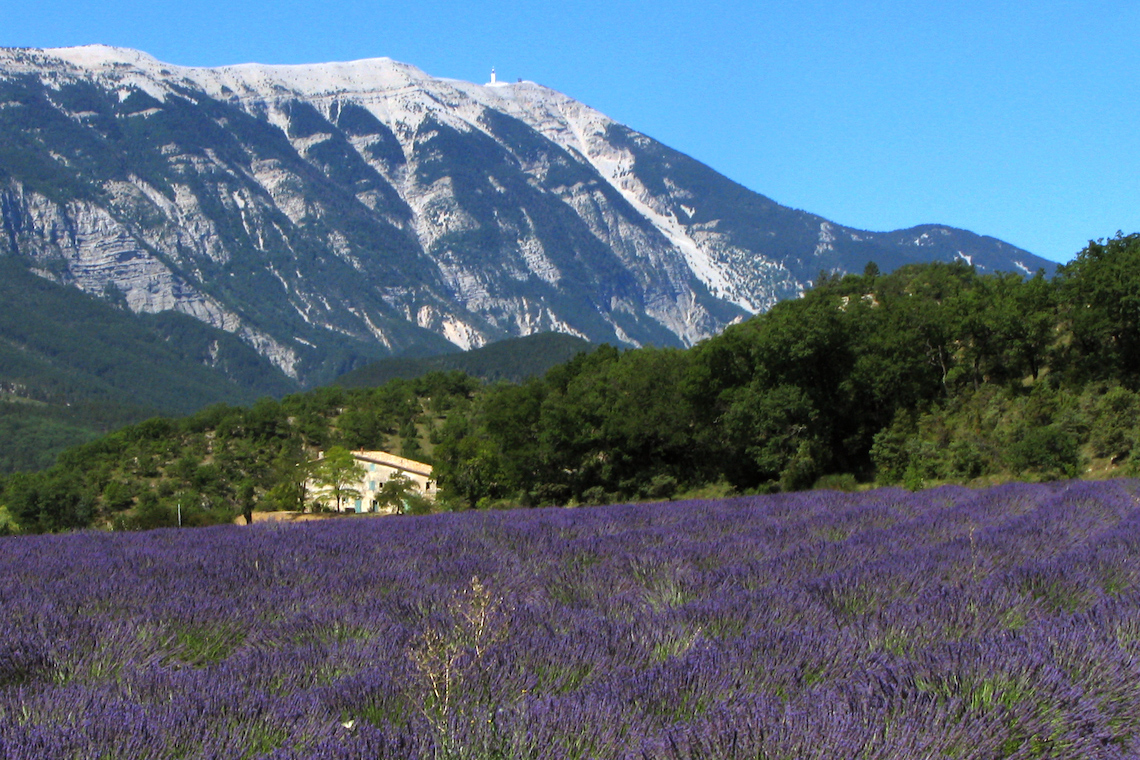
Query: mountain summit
point(335, 213)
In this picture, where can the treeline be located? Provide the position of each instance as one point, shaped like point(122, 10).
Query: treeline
point(74, 367)
point(932, 373)
point(513, 360)
point(224, 461)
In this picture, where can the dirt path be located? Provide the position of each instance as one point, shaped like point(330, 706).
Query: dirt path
point(284, 516)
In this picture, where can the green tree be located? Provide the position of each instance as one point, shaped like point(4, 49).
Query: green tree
point(8, 524)
point(362, 428)
point(402, 496)
point(336, 472)
point(117, 496)
point(291, 476)
point(468, 464)
point(1033, 331)
point(772, 430)
point(49, 501)
point(1101, 290)
point(246, 500)
point(1049, 449)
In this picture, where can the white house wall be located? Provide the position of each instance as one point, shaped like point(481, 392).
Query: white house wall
point(380, 467)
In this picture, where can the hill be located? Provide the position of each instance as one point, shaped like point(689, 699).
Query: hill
point(931, 374)
point(73, 366)
point(512, 360)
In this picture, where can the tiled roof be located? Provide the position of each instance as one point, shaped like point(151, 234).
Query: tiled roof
point(391, 460)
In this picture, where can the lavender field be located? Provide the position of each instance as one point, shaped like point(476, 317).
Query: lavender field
point(945, 623)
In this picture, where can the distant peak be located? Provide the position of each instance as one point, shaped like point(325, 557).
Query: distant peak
point(305, 78)
point(88, 56)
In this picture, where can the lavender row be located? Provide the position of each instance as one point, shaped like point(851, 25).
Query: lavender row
point(888, 624)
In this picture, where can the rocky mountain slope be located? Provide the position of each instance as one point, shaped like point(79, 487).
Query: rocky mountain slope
point(73, 366)
point(332, 214)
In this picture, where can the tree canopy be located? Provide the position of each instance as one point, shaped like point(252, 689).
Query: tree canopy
point(336, 472)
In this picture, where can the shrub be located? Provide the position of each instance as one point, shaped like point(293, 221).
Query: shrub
point(1049, 450)
point(1115, 419)
point(837, 482)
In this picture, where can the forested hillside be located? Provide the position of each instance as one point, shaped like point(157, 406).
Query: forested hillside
point(932, 373)
point(73, 366)
point(513, 360)
point(224, 460)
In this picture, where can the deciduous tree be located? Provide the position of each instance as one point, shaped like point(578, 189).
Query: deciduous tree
point(336, 472)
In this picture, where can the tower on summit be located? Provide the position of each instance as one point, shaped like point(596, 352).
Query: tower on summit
point(495, 80)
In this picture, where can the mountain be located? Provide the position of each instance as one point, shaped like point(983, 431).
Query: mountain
point(335, 214)
point(512, 360)
point(73, 366)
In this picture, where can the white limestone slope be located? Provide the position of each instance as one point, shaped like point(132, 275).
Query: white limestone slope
point(403, 97)
point(673, 261)
point(103, 254)
point(582, 130)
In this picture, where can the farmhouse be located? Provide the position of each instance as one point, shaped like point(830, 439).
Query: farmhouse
point(379, 467)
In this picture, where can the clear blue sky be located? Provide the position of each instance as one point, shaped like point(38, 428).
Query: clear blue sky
point(1017, 119)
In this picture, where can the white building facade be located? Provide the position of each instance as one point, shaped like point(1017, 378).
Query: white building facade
point(379, 467)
